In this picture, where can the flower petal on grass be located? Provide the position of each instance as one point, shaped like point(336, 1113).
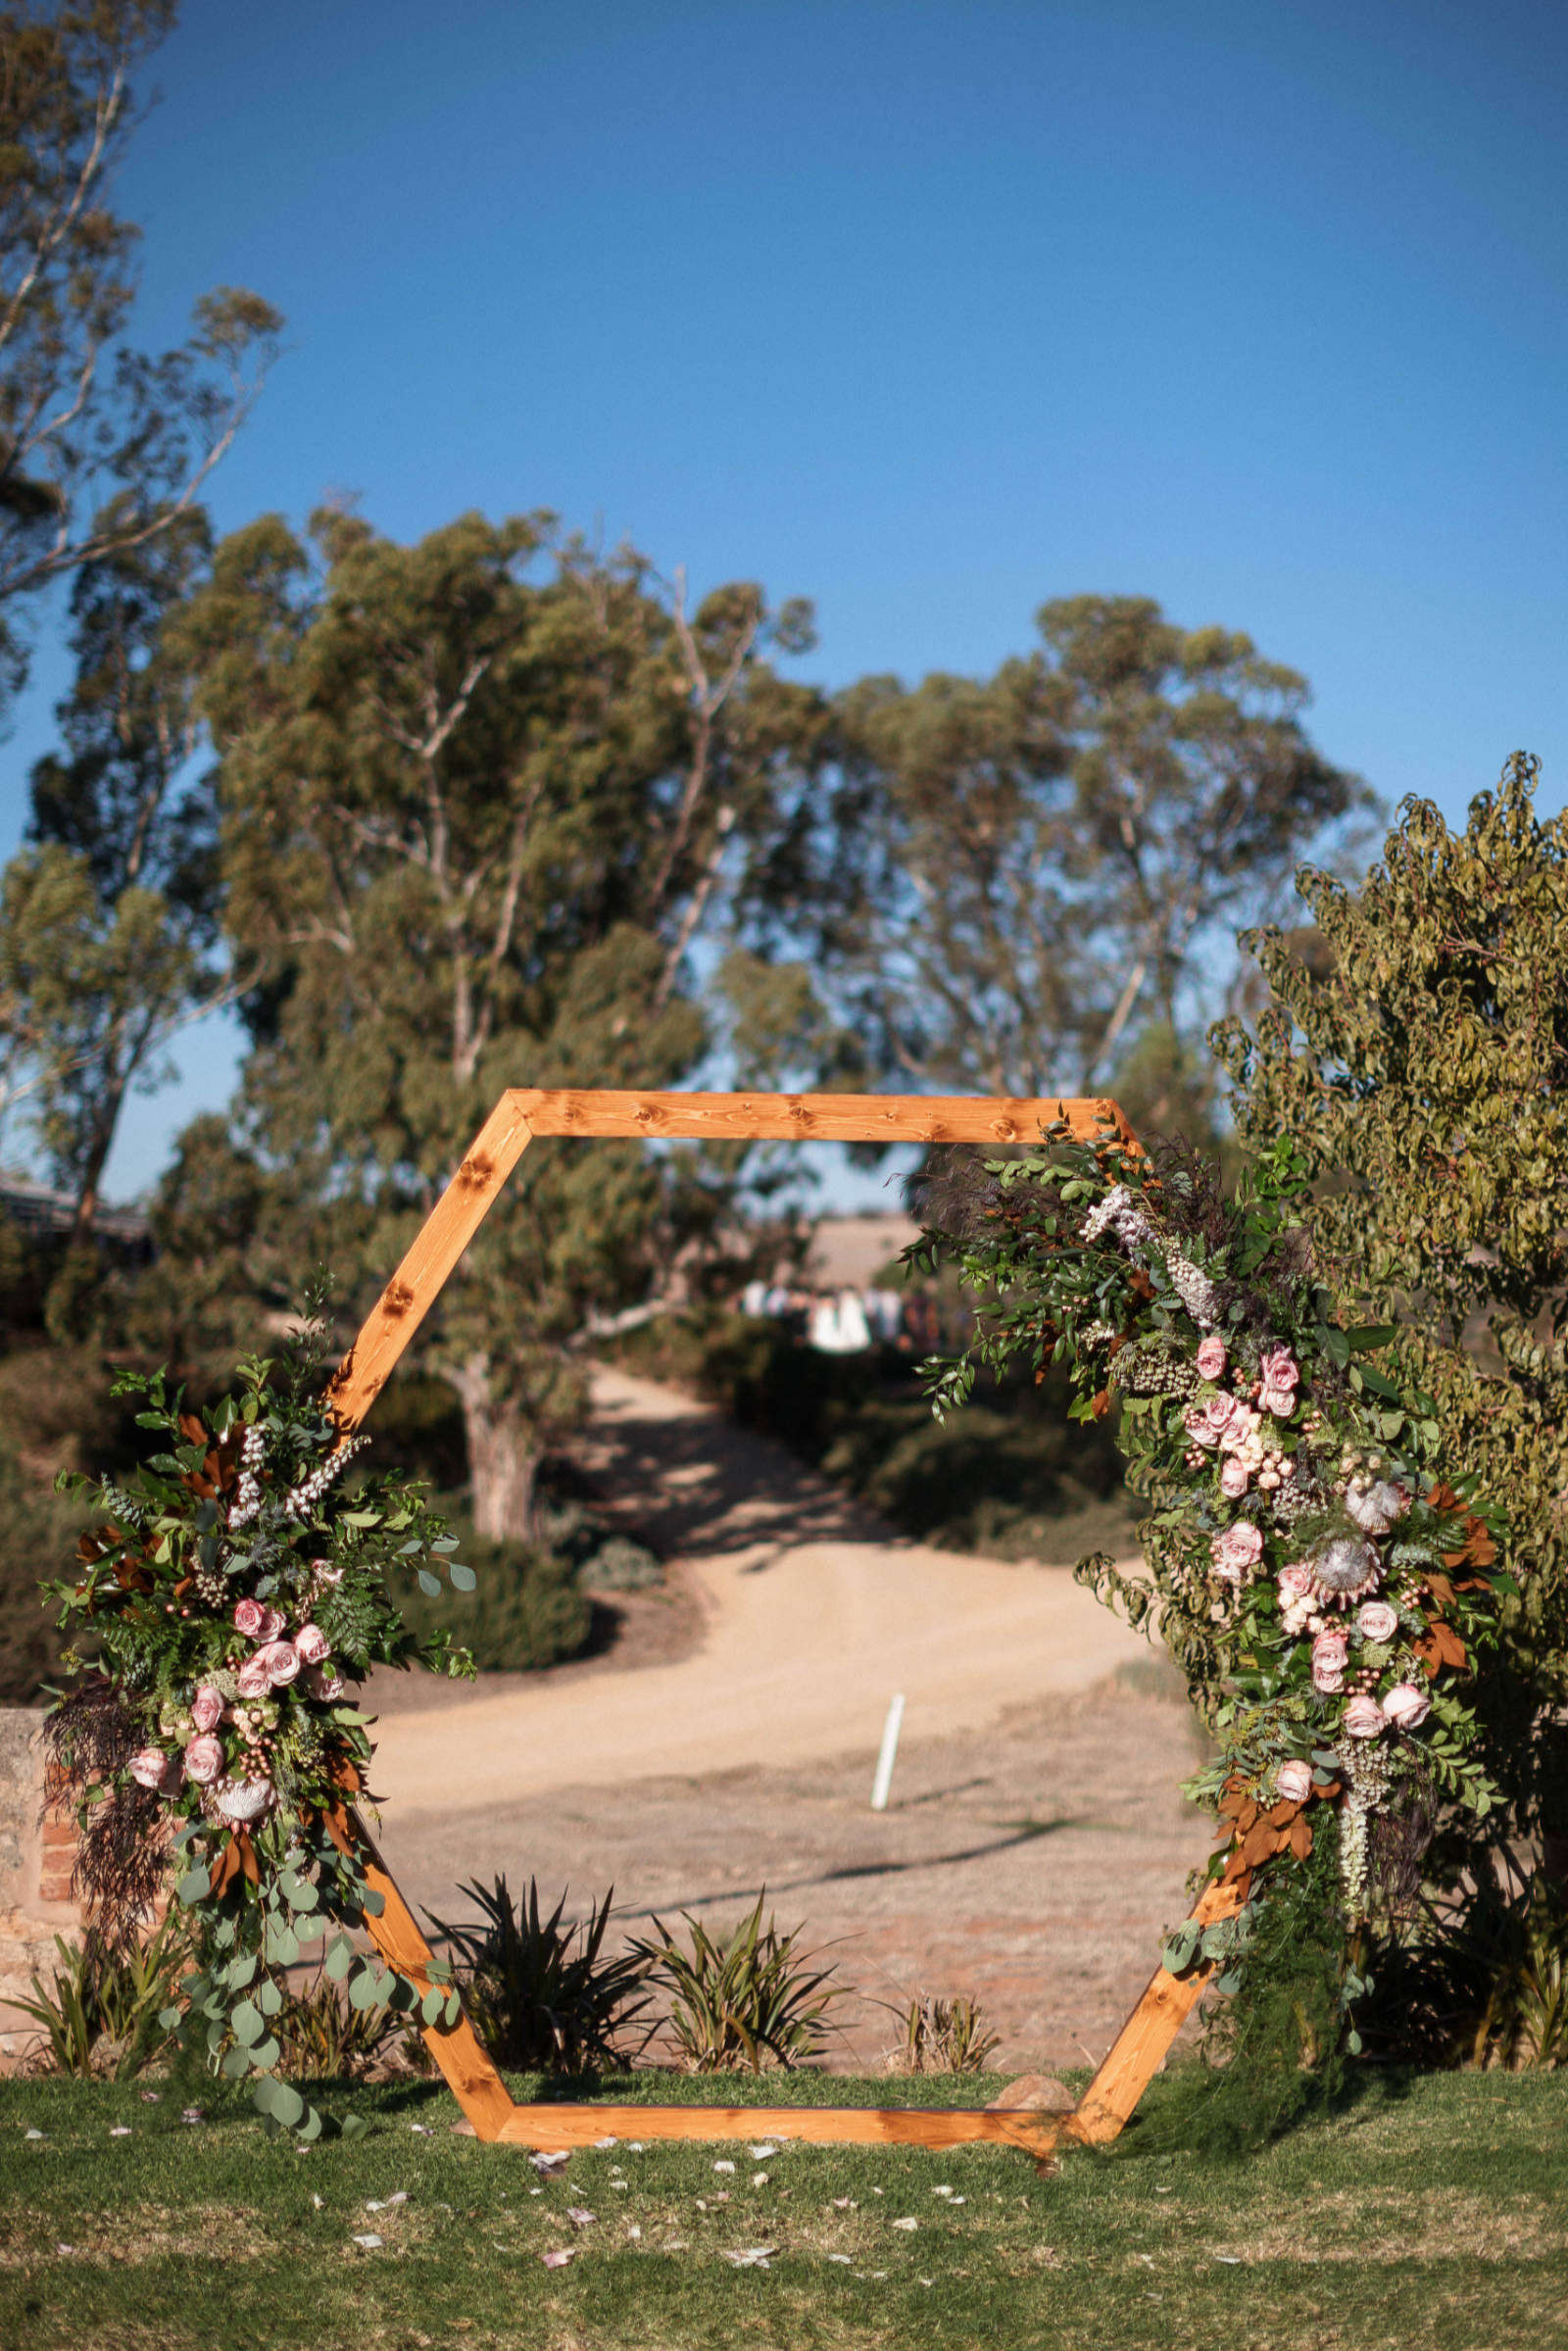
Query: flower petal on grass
point(559, 2257)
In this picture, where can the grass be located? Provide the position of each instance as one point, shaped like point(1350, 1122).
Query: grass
point(1431, 2212)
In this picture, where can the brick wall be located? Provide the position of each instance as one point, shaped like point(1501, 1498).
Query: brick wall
point(37, 1849)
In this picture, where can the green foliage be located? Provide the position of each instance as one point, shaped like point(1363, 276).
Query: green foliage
point(235, 1595)
point(1417, 1060)
point(740, 2003)
point(943, 2037)
point(1056, 855)
point(541, 1993)
point(325, 2038)
point(1485, 1980)
point(104, 2007)
point(37, 1534)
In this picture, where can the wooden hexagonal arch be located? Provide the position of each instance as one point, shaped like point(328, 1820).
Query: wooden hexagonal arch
point(523, 1114)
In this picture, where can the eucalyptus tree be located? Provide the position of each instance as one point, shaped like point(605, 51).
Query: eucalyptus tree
point(109, 915)
point(480, 794)
point(1052, 858)
point(102, 447)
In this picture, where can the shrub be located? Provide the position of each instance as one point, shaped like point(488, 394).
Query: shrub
point(37, 1535)
point(101, 2008)
point(529, 1609)
point(541, 1994)
point(943, 2037)
point(1418, 1058)
point(325, 2037)
point(736, 2004)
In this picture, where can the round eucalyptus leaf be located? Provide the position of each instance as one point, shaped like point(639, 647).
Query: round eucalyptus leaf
point(270, 1999)
point(464, 1577)
point(237, 2062)
point(266, 2052)
point(246, 2023)
point(429, 1585)
point(286, 2103)
point(195, 1885)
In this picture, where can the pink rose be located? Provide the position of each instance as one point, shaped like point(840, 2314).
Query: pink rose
point(207, 1707)
point(204, 1760)
point(281, 1660)
point(1240, 1423)
point(312, 1644)
point(1295, 1581)
point(320, 1684)
point(1279, 1368)
point(271, 1624)
point(1240, 1547)
point(1292, 1783)
point(1364, 1718)
point(254, 1680)
point(1211, 1358)
point(1206, 1422)
point(1405, 1706)
point(249, 1616)
point(1375, 1620)
point(1330, 1651)
point(1232, 1479)
point(149, 1768)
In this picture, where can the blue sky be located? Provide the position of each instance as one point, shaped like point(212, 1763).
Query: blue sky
point(928, 312)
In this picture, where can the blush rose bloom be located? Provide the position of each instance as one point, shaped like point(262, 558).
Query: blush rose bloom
point(1279, 1368)
point(1375, 1620)
point(1211, 1358)
point(1364, 1718)
point(322, 1684)
point(204, 1760)
point(1232, 1479)
point(149, 1767)
point(312, 1644)
point(1407, 1706)
point(1293, 1782)
point(207, 1707)
point(1207, 1423)
point(1330, 1652)
point(1295, 1581)
point(254, 1680)
point(281, 1661)
point(249, 1618)
point(1240, 1547)
point(273, 1621)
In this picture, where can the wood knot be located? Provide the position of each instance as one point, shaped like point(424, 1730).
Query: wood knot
point(396, 1300)
point(477, 1172)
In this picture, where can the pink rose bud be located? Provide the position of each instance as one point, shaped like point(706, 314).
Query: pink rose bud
point(1329, 1654)
point(1364, 1718)
point(312, 1643)
point(207, 1707)
point(1211, 1358)
point(1407, 1706)
point(254, 1680)
point(281, 1660)
point(320, 1684)
point(1232, 1479)
point(1295, 1581)
point(249, 1616)
point(1293, 1782)
point(149, 1766)
point(271, 1624)
point(204, 1760)
point(1375, 1620)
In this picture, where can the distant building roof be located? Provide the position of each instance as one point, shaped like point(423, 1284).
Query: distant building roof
point(46, 1210)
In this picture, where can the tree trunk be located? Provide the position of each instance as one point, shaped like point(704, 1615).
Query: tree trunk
point(504, 1457)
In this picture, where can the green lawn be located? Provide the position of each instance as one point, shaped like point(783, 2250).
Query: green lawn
point(1428, 2213)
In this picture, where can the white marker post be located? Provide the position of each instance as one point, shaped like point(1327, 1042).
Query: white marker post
point(882, 1783)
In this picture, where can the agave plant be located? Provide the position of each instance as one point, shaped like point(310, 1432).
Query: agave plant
point(541, 1993)
point(943, 2037)
point(100, 2010)
point(736, 2004)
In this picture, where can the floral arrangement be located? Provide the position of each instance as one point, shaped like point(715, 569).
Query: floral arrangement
point(1325, 1588)
point(235, 1592)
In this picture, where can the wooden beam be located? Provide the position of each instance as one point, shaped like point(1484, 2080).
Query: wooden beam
point(418, 1283)
point(813, 1117)
point(1141, 2046)
point(550, 2125)
point(473, 2080)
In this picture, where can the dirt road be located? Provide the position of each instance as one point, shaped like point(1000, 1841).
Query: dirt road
point(1037, 1843)
point(811, 1617)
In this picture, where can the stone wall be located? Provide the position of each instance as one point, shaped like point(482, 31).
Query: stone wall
point(37, 1850)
